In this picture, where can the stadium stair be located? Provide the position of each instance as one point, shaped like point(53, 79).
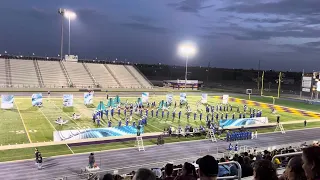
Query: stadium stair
point(113, 75)
point(133, 75)
point(138, 74)
point(90, 74)
point(124, 76)
point(52, 74)
point(22, 69)
point(78, 75)
point(36, 66)
point(64, 70)
point(102, 75)
point(8, 73)
point(3, 73)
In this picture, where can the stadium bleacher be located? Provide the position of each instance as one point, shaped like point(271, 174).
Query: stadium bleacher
point(102, 75)
point(52, 74)
point(124, 76)
point(22, 69)
point(56, 74)
point(143, 81)
point(78, 75)
point(3, 76)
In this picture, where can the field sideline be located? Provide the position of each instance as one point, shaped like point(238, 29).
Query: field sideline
point(25, 124)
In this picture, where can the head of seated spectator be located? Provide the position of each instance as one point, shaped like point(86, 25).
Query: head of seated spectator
point(208, 168)
point(188, 172)
point(311, 162)
point(264, 170)
point(294, 170)
point(144, 174)
point(168, 171)
point(107, 177)
point(247, 170)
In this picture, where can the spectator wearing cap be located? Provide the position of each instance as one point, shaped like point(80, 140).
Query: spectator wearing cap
point(264, 170)
point(188, 172)
point(144, 174)
point(311, 162)
point(208, 168)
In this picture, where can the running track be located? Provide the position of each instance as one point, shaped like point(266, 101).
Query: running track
point(127, 160)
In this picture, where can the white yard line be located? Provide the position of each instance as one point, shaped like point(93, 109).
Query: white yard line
point(24, 125)
point(48, 120)
point(65, 113)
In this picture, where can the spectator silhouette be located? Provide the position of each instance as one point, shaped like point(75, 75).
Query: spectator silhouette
point(208, 168)
point(188, 172)
point(144, 174)
point(168, 170)
point(294, 170)
point(311, 162)
point(247, 170)
point(264, 170)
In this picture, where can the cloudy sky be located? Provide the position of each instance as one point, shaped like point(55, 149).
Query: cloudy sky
point(282, 34)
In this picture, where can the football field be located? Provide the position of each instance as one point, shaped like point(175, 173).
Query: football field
point(27, 124)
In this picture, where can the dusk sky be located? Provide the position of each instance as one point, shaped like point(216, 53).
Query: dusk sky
point(283, 34)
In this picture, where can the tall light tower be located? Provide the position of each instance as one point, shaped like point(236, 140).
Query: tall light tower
point(69, 15)
point(187, 50)
point(61, 12)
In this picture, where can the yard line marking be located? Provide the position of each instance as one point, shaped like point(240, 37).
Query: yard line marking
point(64, 113)
point(70, 148)
point(24, 125)
point(48, 120)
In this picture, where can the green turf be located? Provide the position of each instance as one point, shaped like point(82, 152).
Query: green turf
point(28, 153)
point(284, 102)
point(40, 124)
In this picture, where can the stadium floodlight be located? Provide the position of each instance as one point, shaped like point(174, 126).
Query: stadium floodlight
point(187, 50)
point(69, 15)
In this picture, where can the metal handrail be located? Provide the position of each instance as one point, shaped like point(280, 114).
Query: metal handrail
point(232, 177)
point(285, 155)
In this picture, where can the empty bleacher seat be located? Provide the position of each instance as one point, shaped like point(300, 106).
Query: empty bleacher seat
point(124, 76)
point(139, 76)
point(52, 74)
point(2, 73)
point(23, 73)
point(102, 75)
point(78, 74)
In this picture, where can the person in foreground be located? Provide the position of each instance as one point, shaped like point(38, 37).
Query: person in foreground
point(208, 168)
point(144, 174)
point(264, 170)
point(294, 170)
point(311, 162)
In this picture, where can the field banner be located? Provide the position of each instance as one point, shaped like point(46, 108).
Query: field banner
point(145, 97)
point(169, 98)
point(243, 122)
point(36, 99)
point(88, 98)
point(7, 101)
point(77, 134)
point(183, 98)
point(68, 100)
point(204, 98)
point(225, 99)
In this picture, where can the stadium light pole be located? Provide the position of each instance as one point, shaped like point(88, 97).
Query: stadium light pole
point(187, 50)
point(69, 15)
point(61, 12)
